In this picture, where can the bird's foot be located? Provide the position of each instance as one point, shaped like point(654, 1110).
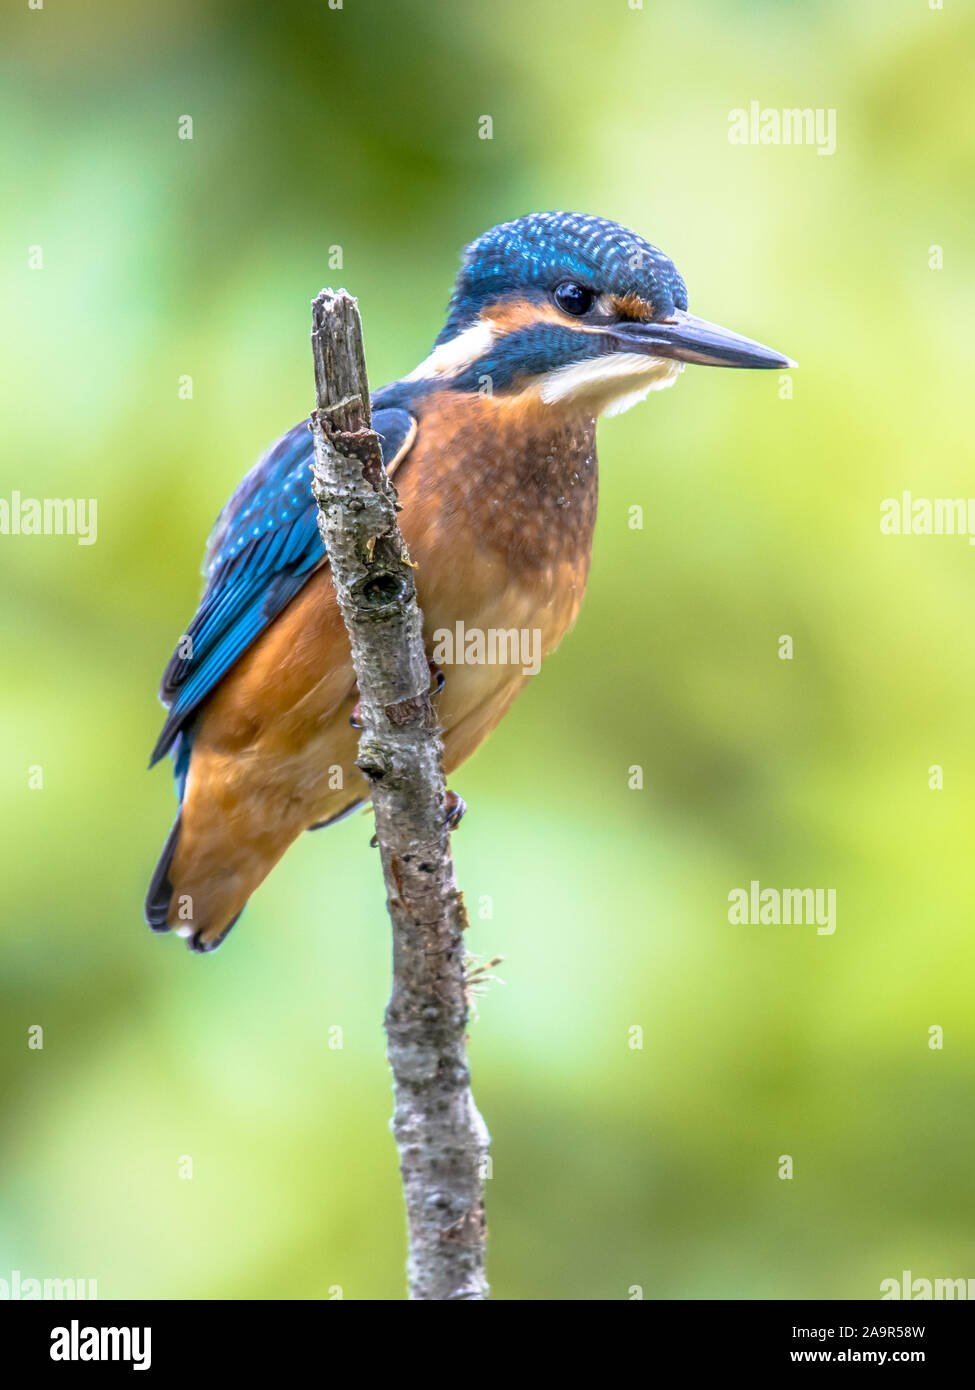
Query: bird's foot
point(438, 676)
point(455, 808)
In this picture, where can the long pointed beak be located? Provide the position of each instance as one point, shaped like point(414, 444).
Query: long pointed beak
point(686, 338)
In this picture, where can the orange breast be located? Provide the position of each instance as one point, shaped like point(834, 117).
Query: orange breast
point(499, 505)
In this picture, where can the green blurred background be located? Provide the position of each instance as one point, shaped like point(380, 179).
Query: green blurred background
point(614, 1167)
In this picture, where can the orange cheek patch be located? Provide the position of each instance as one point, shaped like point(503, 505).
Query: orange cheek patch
point(514, 314)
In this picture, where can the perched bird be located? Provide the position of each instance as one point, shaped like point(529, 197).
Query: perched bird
point(555, 319)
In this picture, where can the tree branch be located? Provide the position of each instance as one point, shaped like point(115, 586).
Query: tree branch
point(441, 1137)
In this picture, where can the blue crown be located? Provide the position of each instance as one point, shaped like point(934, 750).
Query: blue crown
point(532, 255)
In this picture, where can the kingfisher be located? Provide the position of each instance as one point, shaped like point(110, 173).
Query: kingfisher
point(555, 319)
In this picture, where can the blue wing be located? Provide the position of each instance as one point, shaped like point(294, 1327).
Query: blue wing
point(262, 550)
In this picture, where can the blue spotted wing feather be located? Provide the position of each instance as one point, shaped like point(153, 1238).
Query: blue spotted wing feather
point(263, 549)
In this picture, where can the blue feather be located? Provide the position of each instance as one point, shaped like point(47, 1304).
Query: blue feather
point(262, 550)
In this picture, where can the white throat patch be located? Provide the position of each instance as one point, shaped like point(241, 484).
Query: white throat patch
point(611, 384)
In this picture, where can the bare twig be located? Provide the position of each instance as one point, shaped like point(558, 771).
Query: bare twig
point(441, 1137)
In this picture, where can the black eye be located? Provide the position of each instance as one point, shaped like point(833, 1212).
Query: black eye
point(573, 298)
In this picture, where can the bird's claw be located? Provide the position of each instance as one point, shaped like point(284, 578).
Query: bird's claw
point(438, 676)
point(455, 808)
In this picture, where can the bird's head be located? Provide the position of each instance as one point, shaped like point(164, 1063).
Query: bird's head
point(565, 308)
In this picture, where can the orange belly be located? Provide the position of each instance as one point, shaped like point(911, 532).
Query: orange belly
point(274, 751)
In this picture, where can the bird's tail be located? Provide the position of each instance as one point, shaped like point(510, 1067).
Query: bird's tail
point(237, 817)
point(160, 893)
point(166, 910)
